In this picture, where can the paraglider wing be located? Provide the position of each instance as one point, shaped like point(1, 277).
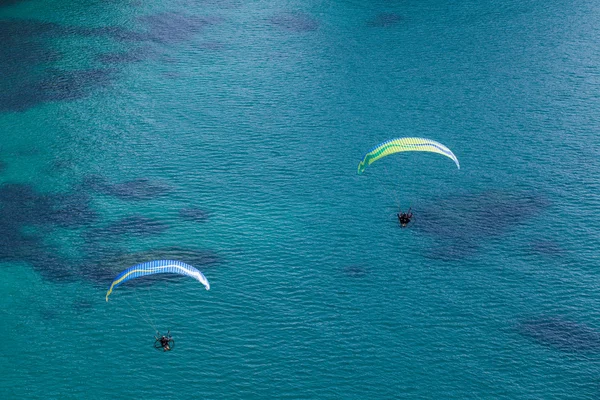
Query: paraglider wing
point(158, 267)
point(405, 144)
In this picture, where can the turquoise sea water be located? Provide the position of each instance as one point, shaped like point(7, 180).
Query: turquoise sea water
point(227, 134)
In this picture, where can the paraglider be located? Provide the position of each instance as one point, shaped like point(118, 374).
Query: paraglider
point(405, 144)
point(399, 145)
point(404, 217)
point(164, 342)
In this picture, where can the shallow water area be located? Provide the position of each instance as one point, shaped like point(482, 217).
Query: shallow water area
point(227, 135)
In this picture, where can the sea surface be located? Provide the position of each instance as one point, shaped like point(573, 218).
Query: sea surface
point(227, 134)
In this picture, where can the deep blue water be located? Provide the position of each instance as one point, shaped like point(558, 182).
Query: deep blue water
point(227, 134)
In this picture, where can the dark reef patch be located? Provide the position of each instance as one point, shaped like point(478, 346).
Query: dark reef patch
point(384, 19)
point(546, 247)
point(115, 32)
point(21, 205)
point(52, 85)
point(19, 30)
point(70, 85)
point(172, 75)
point(26, 57)
point(72, 210)
point(26, 217)
point(217, 4)
point(27, 54)
point(355, 271)
point(125, 57)
point(136, 189)
point(193, 214)
point(51, 266)
point(28, 151)
point(459, 223)
point(48, 314)
point(294, 22)
point(212, 45)
point(60, 164)
point(172, 27)
point(4, 3)
point(95, 183)
point(135, 225)
point(561, 334)
point(162, 28)
point(83, 305)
